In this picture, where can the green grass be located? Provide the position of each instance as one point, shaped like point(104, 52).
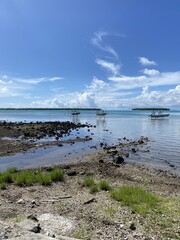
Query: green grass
point(104, 185)
point(6, 177)
point(3, 186)
point(25, 178)
point(57, 175)
point(88, 182)
point(93, 188)
point(44, 178)
point(29, 178)
point(140, 200)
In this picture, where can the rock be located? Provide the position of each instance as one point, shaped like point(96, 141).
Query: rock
point(132, 226)
point(101, 161)
point(32, 217)
point(36, 229)
point(71, 173)
point(118, 160)
point(50, 234)
point(133, 150)
point(21, 201)
point(29, 225)
point(112, 152)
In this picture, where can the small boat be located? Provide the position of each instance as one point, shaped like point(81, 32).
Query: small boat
point(75, 113)
point(154, 115)
point(101, 113)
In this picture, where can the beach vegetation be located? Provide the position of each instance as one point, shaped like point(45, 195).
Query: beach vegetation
point(93, 188)
point(57, 175)
point(104, 185)
point(110, 211)
point(6, 177)
point(30, 177)
point(25, 178)
point(3, 186)
point(137, 198)
point(43, 178)
point(81, 233)
point(88, 182)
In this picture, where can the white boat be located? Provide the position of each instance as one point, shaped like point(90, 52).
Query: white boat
point(154, 115)
point(101, 113)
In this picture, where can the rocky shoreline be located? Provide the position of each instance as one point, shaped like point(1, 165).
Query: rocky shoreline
point(70, 210)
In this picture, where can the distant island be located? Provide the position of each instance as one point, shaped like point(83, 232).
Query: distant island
point(70, 109)
point(155, 109)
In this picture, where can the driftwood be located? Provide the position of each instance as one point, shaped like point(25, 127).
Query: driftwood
point(90, 201)
point(56, 199)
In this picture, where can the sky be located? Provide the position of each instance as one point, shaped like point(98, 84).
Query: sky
point(110, 54)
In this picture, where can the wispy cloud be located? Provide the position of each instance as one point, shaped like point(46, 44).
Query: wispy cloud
point(37, 80)
point(97, 40)
point(16, 86)
point(146, 62)
point(109, 66)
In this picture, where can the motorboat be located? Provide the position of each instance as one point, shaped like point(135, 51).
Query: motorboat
point(158, 115)
point(101, 113)
point(74, 113)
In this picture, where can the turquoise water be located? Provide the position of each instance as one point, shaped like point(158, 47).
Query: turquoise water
point(164, 136)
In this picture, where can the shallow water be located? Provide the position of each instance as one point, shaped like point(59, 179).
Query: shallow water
point(164, 136)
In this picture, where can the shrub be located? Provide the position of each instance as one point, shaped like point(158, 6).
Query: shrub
point(57, 175)
point(137, 198)
point(104, 185)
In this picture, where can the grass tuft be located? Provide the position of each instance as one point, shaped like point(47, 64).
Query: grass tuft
point(57, 175)
point(88, 182)
point(2, 186)
point(137, 198)
point(104, 185)
point(24, 178)
point(93, 188)
point(44, 178)
point(6, 177)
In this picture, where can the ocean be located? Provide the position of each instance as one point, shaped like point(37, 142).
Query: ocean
point(162, 150)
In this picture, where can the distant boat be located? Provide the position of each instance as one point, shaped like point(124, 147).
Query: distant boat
point(101, 113)
point(158, 115)
point(75, 113)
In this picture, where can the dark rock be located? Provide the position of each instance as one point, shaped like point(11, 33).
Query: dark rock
point(32, 217)
point(132, 226)
point(36, 229)
point(118, 160)
point(71, 173)
point(133, 150)
point(101, 161)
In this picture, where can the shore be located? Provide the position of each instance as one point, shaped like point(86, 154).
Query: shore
point(71, 209)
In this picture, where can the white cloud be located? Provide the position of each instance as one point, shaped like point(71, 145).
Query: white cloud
point(146, 62)
point(131, 82)
point(150, 72)
point(109, 66)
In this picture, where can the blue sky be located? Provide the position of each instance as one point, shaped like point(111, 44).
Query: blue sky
point(113, 54)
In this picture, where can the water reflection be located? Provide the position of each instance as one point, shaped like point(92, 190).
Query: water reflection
point(101, 122)
point(75, 119)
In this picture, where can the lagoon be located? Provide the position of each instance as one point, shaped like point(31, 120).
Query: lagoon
point(162, 150)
